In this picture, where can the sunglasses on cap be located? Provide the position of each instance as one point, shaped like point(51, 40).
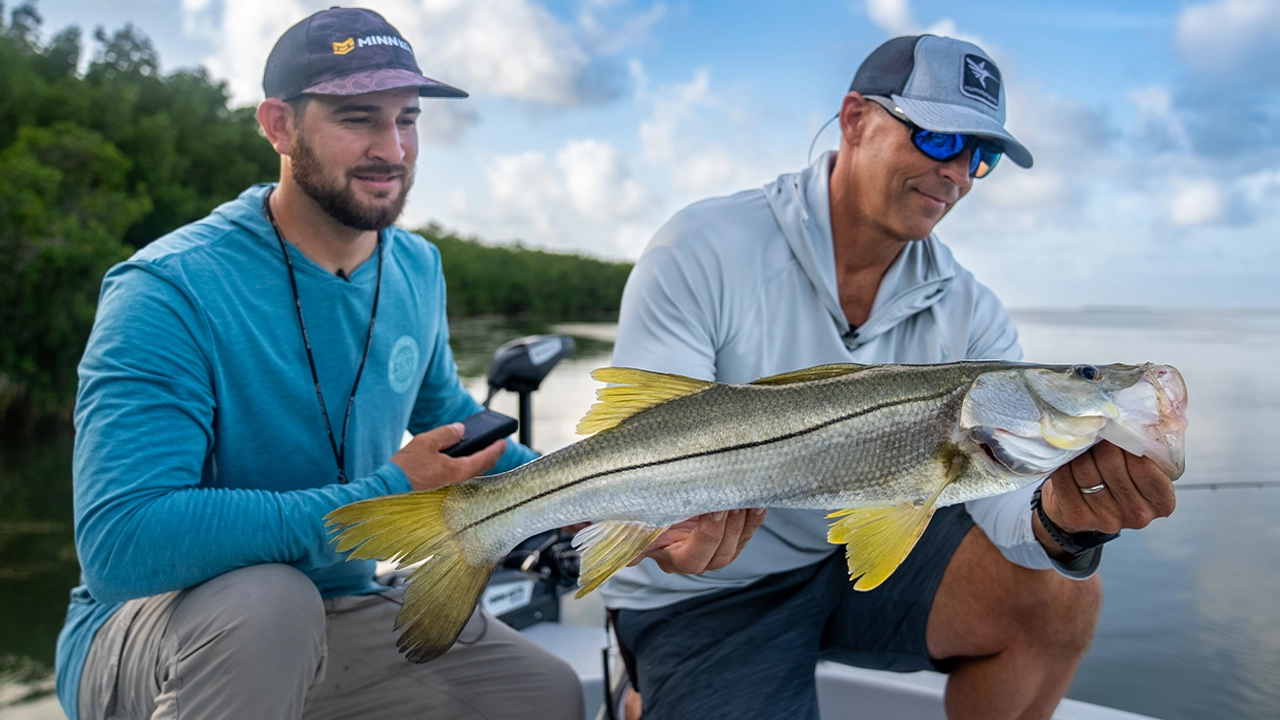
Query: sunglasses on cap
point(945, 147)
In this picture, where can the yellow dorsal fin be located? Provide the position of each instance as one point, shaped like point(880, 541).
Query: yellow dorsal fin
point(877, 540)
point(817, 372)
point(607, 547)
point(632, 391)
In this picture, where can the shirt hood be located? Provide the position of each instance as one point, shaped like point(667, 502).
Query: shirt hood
point(247, 210)
point(916, 280)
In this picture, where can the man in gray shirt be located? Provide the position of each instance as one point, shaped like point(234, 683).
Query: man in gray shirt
point(838, 263)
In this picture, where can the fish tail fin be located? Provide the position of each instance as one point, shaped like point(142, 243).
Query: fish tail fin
point(410, 528)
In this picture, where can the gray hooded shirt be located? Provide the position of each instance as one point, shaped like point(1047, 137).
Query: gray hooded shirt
point(737, 288)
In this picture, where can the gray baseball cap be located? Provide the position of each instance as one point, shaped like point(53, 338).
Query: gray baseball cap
point(941, 84)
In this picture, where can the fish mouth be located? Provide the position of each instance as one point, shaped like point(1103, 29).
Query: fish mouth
point(1151, 419)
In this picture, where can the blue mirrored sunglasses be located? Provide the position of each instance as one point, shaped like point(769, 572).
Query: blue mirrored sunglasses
point(945, 147)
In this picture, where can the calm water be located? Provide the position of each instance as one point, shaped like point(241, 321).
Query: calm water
point(1191, 626)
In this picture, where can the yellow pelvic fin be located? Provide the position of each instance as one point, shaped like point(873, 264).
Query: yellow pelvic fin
point(409, 528)
point(633, 391)
point(877, 540)
point(607, 547)
point(817, 372)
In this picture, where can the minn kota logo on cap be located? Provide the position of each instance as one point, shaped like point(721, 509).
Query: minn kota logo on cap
point(980, 80)
point(344, 47)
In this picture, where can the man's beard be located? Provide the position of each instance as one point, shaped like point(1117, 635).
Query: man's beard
point(339, 199)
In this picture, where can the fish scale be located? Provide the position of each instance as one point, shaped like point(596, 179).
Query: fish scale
point(884, 446)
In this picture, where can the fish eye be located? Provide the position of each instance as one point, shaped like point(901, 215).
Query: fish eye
point(1086, 372)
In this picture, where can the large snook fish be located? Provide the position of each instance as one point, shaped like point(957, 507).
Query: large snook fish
point(886, 444)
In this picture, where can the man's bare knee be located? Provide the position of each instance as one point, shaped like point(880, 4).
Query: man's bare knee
point(1061, 613)
point(1025, 608)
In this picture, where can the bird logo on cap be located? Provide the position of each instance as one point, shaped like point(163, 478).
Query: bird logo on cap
point(979, 70)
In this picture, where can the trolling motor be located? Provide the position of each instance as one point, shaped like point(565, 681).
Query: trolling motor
point(533, 576)
point(520, 366)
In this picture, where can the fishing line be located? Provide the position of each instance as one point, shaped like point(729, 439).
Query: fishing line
point(1228, 485)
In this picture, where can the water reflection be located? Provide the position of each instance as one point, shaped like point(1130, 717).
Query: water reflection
point(37, 562)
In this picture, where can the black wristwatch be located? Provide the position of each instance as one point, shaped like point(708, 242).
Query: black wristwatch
point(1074, 543)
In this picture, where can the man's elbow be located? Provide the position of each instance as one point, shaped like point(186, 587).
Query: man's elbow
point(115, 570)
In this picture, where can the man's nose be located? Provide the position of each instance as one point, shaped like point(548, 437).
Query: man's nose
point(388, 145)
point(957, 170)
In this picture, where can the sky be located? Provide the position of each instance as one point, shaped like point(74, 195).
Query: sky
point(1155, 125)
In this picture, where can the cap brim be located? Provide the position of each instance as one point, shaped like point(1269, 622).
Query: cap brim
point(372, 81)
point(947, 118)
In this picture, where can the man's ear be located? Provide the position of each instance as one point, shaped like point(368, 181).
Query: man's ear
point(854, 112)
point(277, 119)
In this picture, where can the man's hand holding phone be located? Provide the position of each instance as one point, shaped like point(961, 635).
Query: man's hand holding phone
point(427, 466)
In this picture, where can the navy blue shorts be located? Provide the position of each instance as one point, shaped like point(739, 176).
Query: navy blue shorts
point(751, 652)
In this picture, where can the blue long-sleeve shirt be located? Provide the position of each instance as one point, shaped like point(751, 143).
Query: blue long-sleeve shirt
point(200, 446)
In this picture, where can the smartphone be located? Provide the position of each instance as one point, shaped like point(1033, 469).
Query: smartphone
point(482, 429)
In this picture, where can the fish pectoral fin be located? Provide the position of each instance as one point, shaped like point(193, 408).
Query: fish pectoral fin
point(877, 540)
point(632, 391)
point(818, 372)
point(606, 547)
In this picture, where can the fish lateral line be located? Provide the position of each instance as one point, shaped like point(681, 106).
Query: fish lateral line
point(707, 453)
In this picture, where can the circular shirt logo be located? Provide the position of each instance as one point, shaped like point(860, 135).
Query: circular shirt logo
point(403, 364)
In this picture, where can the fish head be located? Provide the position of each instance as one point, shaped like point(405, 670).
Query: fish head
point(1031, 420)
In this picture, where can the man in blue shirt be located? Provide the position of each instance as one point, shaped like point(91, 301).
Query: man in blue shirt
point(247, 374)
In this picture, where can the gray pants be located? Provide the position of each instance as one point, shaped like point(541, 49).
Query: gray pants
point(259, 642)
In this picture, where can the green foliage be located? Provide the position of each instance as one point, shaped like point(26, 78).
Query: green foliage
point(188, 151)
point(64, 207)
point(489, 280)
point(92, 166)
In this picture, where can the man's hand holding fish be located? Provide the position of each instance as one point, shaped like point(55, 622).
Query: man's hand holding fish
point(707, 542)
point(1104, 490)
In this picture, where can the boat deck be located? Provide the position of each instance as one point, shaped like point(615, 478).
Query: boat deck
point(844, 692)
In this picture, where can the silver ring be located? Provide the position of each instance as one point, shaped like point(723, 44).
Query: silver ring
point(1095, 489)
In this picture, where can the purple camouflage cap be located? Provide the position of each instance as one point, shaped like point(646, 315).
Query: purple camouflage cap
point(345, 51)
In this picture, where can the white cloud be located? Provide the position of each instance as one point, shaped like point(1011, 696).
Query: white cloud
point(586, 178)
point(445, 121)
point(498, 48)
point(680, 137)
point(892, 16)
point(895, 18)
point(505, 48)
point(1262, 188)
point(607, 33)
point(594, 196)
point(597, 182)
point(1159, 126)
point(1230, 34)
point(243, 31)
point(1196, 201)
point(583, 197)
point(526, 186)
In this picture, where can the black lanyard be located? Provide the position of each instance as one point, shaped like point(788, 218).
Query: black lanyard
point(339, 451)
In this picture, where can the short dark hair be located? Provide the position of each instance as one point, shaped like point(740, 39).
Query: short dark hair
point(299, 104)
